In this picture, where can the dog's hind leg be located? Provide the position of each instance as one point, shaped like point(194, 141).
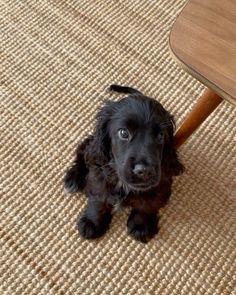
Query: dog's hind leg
point(75, 178)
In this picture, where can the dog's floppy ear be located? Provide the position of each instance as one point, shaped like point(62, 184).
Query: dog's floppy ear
point(170, 158)
point(99, 150)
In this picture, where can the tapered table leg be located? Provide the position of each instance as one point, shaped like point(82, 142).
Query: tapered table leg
point(205, 105)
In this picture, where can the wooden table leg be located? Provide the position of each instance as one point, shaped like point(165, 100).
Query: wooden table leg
point(206, 104)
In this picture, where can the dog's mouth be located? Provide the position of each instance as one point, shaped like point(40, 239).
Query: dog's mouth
point(139, 186)
point(143, 186)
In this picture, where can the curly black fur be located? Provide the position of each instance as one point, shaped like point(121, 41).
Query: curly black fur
point(130, 160)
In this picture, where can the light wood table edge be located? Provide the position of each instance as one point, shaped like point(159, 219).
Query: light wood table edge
point(193, 72)
point(206, 103)
point(198, 76)
point(198, 113)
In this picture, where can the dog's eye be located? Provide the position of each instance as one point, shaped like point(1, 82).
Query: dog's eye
point(123, 134)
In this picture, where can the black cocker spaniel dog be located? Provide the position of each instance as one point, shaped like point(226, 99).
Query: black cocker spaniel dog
point(130, 160)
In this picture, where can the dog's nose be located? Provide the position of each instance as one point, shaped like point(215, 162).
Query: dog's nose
point(141, 170)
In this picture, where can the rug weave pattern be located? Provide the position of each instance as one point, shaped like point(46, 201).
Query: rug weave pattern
point(57, 59)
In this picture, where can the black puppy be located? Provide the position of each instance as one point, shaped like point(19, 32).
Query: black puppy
point(130, 161)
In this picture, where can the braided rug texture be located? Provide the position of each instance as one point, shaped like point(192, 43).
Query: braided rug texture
point(57, 59)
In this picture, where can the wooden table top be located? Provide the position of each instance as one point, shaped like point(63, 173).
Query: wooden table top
point(203, 42)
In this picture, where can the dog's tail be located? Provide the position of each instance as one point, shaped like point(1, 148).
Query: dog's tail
point(123, 89)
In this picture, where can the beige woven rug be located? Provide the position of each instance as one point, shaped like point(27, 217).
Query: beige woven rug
point(57, 58)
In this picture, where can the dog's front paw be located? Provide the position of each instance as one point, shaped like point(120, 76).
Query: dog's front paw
point(72, 181)
point(142, 228)
point(91, 230)
point(87, 228)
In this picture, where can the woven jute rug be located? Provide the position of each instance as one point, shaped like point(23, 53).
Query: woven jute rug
point(57, 59)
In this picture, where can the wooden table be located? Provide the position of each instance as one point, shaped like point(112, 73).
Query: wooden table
point(203, 42)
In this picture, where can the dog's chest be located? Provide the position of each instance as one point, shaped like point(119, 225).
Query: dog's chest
point(118, 196)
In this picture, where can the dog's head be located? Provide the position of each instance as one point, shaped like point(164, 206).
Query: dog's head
point(136, 134)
